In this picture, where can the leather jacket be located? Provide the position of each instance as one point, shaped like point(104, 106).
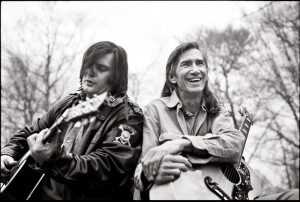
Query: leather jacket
point(103, 166)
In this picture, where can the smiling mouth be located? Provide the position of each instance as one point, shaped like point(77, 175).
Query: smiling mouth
point(195, 80)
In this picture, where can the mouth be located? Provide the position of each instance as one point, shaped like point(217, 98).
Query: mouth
point(194, 80)
point(89, 81)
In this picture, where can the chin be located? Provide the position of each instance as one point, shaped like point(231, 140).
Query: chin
point(88, 90)
point(196, 90)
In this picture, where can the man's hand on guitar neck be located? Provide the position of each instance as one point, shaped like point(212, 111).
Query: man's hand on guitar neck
point(7, 163)
point(40, 151)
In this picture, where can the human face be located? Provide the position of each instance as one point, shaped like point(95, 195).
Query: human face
point(191, 73)
point(95, 78)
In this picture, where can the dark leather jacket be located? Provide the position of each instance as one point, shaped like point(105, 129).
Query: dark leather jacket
point(104, 163)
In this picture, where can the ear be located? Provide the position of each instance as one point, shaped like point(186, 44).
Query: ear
point(172, 79)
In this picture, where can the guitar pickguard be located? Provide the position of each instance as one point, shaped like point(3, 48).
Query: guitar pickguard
point(241, 190)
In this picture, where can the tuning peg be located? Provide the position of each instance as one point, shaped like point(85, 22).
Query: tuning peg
point(241, 112)
point(92, 119)
point(85, 121)
point(77, 124)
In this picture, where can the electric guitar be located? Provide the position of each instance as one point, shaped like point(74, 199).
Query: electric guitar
point(214, 181)
point(25, 177)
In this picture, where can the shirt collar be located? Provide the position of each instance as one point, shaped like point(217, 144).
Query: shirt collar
point(174, 100)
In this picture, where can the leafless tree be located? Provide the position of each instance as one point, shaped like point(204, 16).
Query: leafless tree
point(259, 67)
point(36, 54)
point(277, 80)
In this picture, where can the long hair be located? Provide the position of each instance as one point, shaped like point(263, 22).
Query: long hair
point(119, 73)
point(212, 103)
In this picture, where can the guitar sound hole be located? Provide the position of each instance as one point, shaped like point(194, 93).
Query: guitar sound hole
point(230, 173)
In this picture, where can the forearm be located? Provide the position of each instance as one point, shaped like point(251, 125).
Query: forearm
point(214, 148)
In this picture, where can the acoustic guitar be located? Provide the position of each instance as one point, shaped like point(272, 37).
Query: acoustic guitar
point(214, 181)
point(25, 177)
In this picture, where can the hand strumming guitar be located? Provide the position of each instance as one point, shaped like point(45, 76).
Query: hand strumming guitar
point(40, 151)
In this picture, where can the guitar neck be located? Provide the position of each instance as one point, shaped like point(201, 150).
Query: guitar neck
point(47, 138)
point(49, 133)
point(245, 128)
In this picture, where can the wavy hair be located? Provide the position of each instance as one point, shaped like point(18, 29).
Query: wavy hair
point(119, 72)
point(212, 103)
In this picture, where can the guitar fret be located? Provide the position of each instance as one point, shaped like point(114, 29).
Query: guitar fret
point(248, 120)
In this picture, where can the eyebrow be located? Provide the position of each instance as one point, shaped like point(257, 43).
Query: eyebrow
point(190, 60)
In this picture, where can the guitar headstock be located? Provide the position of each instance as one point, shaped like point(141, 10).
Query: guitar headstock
point(243, 111)
point(84, 110)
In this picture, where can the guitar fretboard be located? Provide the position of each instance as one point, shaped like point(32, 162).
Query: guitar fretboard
point(245, 127)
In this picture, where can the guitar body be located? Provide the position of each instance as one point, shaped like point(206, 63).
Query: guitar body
point(25, 177)
point(23, 182)
point(210, 182)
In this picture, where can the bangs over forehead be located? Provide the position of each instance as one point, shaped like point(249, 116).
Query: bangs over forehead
point(119, 71)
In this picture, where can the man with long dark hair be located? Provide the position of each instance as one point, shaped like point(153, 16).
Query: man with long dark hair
point(88, 161)
point(188, 119)
point(188, 127)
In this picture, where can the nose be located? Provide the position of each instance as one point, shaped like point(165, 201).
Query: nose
point(195, 70)
point(90, 72)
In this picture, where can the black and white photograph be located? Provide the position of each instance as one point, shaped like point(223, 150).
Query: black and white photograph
point(150, 100)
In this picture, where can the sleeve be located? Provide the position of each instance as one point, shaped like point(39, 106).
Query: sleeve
point(113, 161)
point(151, 131)
point(17, 145)
point(223, 144)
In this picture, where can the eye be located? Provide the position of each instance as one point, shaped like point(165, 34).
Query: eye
point(184, 64)
point(101, 68)
point(199, 62)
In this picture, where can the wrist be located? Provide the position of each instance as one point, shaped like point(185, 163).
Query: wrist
point(185, 145)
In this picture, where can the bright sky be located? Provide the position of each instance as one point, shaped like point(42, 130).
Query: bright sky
point(142, 26)
point(148, 30)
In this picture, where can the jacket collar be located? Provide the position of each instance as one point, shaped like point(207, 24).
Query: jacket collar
point(110, 100)
point(114, 100)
